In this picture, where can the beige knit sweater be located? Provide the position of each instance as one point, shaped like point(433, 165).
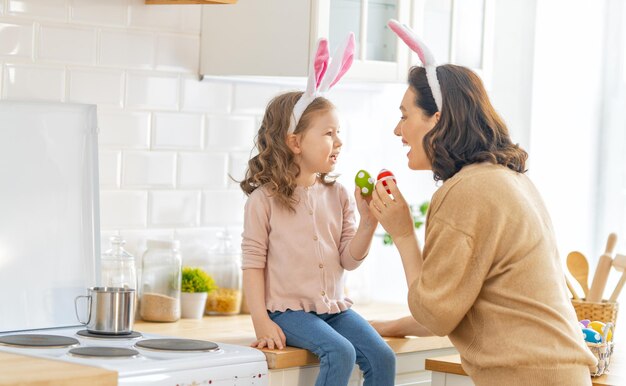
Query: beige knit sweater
point(492, 281)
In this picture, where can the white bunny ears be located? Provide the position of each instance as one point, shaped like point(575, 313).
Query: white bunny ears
point(322, 76)
point(428, 60)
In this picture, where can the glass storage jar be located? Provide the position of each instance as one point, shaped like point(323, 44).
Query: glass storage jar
point(160, 281)
point(224, 266)
point(118, 266)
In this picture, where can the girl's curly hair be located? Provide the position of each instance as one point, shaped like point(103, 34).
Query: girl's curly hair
point(274, 166)
point(469, 129)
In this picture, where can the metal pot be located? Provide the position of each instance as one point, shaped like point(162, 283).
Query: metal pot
point(111, 310)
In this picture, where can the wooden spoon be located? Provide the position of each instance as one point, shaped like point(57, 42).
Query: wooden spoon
point(579, 268)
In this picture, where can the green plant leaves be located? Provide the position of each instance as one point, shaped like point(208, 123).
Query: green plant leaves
point(196, 280)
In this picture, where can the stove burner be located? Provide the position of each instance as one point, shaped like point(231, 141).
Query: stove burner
point(184, 345)
point(104, 352)
point(38, 341)
point(88, 334)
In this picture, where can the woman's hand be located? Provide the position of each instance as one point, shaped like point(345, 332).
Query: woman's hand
point(268, 334)
point(393, 213)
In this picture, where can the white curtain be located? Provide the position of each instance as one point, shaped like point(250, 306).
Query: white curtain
point(611, 214)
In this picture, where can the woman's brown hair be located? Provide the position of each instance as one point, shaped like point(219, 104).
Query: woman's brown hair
point(274, 166)
point(469, 130)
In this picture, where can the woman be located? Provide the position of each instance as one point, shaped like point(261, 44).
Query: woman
point(489, 275)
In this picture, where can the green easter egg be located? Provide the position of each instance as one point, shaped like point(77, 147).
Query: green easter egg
point(365, 182)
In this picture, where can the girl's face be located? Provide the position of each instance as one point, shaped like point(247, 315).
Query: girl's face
point(318, 147)
point(413, 126)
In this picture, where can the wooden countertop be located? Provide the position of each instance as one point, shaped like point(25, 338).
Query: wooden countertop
point(238, 329)
point(451, 364)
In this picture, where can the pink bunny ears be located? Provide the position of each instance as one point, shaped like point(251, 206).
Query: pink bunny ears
point(428, 60)
point(322, 76)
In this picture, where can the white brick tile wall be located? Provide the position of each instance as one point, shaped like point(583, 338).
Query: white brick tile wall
point(41, 9)
point(109, 12)
point(177, 131)
point(152, 91)
point(211, 97)
point(144, 169)
point(223, 207)
point(136, 240)
point(252, 98)
point(103, 87)
point(174, 208)
point(202, 170)
point(129, 49)
point(31, 82)
point(16, 39)
point(124, 130)
point(178, 53)
point(231, 133)
point(123, 209)
point(167, 140)
point(65, 44)
point(164, 17)
point(109, 165)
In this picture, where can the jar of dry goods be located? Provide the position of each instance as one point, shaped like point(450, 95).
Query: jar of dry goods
point(118, 266)
point(224, 265)
point(160, 281)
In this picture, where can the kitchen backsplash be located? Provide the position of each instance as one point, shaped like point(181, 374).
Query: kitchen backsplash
point(168, 142)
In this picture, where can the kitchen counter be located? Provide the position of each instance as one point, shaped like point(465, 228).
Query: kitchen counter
point(451, 364)
point(238, 329)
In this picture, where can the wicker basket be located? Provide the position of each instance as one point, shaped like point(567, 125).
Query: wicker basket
point(602, 352)
point(605, 312)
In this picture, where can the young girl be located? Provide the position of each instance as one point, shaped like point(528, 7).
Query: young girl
point(299, 236)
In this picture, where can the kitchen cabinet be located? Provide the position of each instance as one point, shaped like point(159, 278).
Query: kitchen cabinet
point(276, 37)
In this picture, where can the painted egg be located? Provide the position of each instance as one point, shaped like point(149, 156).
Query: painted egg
point(599, 327)
point(585, 322)
point(365, 182)
point(385, 175)
point(592, 336)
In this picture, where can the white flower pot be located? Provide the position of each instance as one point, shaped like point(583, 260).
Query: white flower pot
point(192, 304)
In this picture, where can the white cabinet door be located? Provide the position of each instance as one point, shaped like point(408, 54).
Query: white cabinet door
point(275, 37)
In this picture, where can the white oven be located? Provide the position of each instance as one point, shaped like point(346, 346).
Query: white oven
point(50, 253)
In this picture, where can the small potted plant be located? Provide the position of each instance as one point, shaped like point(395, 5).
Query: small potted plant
point(195, 286)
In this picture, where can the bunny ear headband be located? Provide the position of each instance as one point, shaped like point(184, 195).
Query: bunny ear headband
point(428, 60)
point(322, 76)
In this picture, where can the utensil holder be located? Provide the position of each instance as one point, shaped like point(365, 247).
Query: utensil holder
point(605, 311)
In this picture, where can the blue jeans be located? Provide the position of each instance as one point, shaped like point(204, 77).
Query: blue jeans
point(340, 340)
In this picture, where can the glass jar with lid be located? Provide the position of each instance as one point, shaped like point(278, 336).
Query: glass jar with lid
point(118, 266)
point(160, 281)
point(224, 266)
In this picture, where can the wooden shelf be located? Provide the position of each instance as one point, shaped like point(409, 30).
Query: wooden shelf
point(191, 1)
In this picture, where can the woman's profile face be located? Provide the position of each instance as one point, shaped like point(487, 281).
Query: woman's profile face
point(413, 126)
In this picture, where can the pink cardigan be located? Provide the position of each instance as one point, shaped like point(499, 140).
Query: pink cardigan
point(304, 254)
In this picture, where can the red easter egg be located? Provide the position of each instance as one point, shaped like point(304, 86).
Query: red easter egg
point(385, 175)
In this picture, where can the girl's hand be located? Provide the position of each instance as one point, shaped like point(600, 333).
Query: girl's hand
point(363, 206)
point(268, 334)
point(393, 213)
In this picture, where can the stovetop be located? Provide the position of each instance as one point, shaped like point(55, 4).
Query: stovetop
point(142, 353)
